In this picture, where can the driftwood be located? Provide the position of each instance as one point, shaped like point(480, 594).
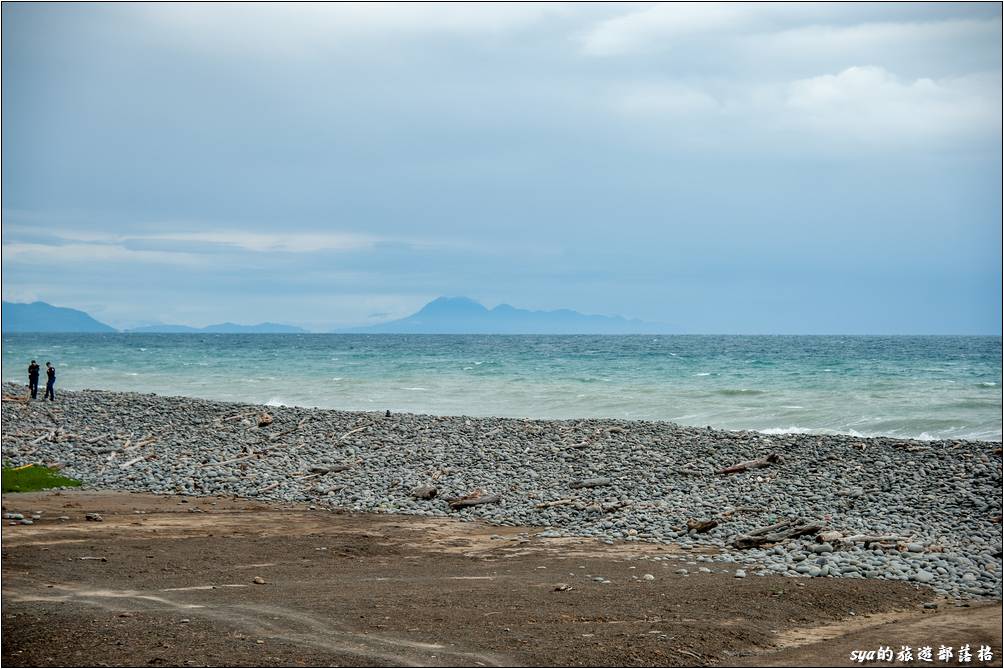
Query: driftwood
point(871, 539)
point(753, 464)
point(774, 534)
point(130, 463)
point(269, 487)
point(702, 526)
point(740, 509)
point(330, 469)
point(589, 483)
point(358, 429)
point(772, 528)
point(226, 419)
point(830, 537)
point(473, 501)
point(557, 502)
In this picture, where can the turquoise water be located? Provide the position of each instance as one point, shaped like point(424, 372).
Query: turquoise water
point(924, 387)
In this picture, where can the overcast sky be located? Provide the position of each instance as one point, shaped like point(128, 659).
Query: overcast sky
point(736, 168)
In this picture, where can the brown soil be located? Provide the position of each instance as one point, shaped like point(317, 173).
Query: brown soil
point(174, 585)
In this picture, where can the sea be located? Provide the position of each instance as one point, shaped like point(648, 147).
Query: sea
point(924, 387)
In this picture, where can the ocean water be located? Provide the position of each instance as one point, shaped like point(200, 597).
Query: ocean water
point(920, 387)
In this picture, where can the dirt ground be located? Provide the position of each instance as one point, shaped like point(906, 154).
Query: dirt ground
point(170, 581)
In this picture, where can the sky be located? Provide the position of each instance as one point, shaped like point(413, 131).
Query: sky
point(732, 168)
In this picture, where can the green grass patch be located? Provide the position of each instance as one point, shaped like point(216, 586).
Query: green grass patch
point(35, 477)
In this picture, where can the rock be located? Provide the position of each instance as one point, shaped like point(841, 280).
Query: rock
point(648, 577)
point(96, 517)
point(658, 474)
point(258, 580)
point(822, 548)
point(424, 492)
point(562, 587)
point(740, 573)
point(682, 572)
point(923, 576)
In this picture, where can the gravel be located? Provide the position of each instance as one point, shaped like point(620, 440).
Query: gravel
point(940, 499)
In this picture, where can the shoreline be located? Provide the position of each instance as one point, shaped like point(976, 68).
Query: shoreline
point(20, 389)
point(612, 480)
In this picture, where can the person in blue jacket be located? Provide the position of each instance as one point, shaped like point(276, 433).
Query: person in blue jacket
point(50, 383)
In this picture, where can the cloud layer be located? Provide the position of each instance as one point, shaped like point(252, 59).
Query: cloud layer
point(736, 167)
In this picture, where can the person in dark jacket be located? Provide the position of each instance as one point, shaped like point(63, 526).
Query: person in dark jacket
point(33, 379)
point(50, 383)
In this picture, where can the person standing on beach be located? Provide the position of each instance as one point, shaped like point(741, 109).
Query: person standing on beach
point(33, 379)
point(50, 383)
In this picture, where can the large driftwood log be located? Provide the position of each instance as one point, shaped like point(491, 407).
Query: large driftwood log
point(753, 541)
point(473, 501)
point(753, 464)
point(589, 483)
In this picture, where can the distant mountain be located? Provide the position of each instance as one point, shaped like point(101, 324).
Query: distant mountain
point(462, 315)
point(223, 328)
point(42, 317)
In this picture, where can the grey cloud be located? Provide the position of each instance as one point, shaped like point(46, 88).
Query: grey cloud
point(362, 160)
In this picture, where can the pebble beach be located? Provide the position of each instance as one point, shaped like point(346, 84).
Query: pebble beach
point(922, 511)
